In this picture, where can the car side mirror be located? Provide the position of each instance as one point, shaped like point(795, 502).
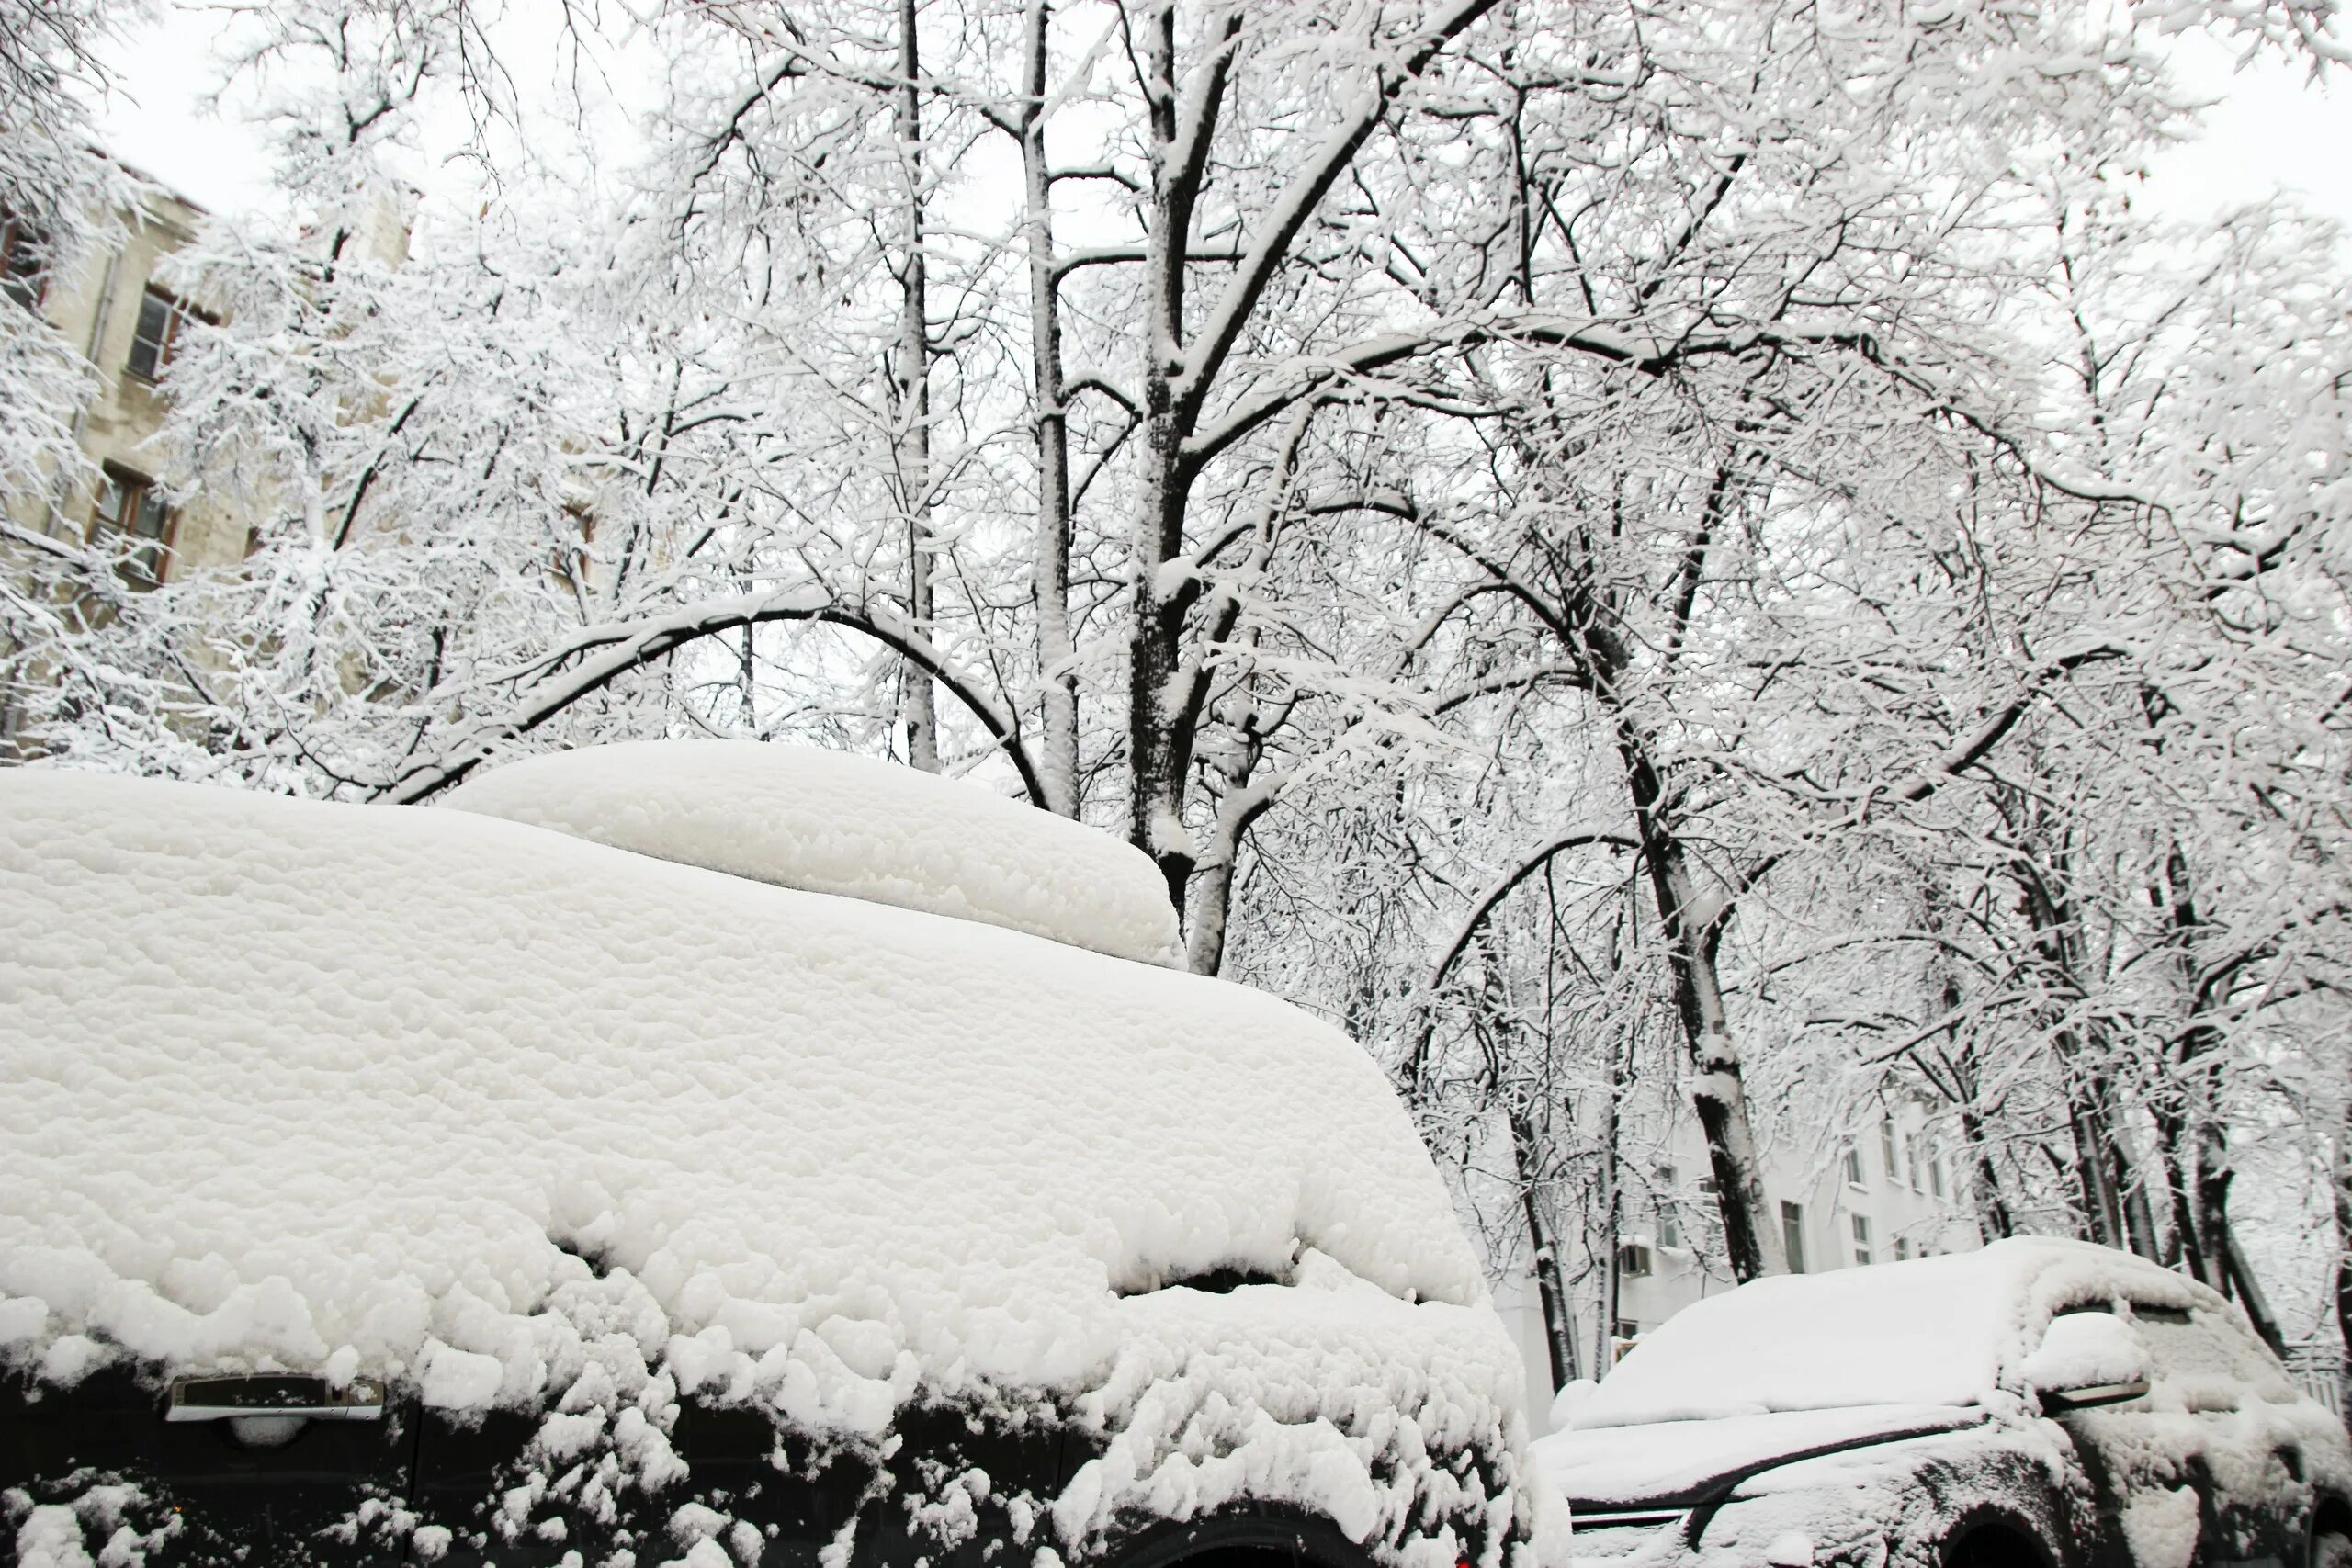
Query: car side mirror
point(2090, 1398)
point(2088, 1359)
point(1572, 1397)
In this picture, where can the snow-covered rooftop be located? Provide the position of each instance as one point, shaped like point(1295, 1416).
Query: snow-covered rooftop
point(443, 1097)
point(827, 822)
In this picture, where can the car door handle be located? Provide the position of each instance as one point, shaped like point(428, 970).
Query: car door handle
point(274, 1393)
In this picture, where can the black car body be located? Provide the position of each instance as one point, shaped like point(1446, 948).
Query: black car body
point(419, 1485)
point(417, 1185)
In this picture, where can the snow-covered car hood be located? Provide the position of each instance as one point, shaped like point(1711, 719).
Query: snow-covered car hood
point(1681, 1464)
point(496, 1112)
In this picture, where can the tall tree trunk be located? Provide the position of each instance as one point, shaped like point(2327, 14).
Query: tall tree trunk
point(1962, 1085)
point(1157, 751)
point(2212, 1191)
point(1238, 807)
point(917, 702)
point(2173, 1152)
point(2199, 1155)
point(2249, 1294)
point(2102, 1221)
point(1177, 379)
point(1559, 1328)
point(2102, 1171)
point(1610, 1202)
point(1991, 1206)
point(1692, 925)
point(1057, 652)
point(2139, 1217)
point(1496, 1026)
point(2344, 1228)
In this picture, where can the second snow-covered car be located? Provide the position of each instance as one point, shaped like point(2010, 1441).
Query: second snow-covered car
point(700, 1152)
point(2038, 1403)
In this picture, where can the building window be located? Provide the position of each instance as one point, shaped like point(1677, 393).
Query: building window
point(1669, 1215)
point(1935, 1174)
point(1886, 1145)
point(128, 506)
point(162, 317)
point(1633, 1260)
point(1792, 1234)
point(1862, 1239)
point(21, 273)
point(1853, 1165)
point(1902, 1249)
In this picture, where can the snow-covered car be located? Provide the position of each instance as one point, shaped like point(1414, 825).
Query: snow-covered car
point(2039, 1404)
point(700, 1152)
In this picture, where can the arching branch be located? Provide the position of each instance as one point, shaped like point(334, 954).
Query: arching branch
point(1417, 1056)
point(1501, 890)
point(596, 657)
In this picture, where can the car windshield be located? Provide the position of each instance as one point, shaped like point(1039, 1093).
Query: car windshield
point(1928, 1332)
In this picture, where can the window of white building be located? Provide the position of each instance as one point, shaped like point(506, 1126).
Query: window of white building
point(129, 505)
point(1862, 1239)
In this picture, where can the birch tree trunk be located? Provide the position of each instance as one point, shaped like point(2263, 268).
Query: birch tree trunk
point(917, 702)
point(1057, 653)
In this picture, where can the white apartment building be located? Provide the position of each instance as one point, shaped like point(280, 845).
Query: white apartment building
point(1886, 1192)
point(117, 309)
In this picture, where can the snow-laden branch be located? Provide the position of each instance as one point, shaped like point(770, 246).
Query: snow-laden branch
point(1270, 247)
point(1948, 764)
point(592, 660)
point(1417, 1053)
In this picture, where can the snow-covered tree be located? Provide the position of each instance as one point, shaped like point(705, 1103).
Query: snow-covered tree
point(1679, 556)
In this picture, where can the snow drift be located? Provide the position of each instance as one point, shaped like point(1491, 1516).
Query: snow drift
point(827, 822)
point(508, 1116)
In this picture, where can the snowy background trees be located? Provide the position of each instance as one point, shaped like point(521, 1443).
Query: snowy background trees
point(1696, 557)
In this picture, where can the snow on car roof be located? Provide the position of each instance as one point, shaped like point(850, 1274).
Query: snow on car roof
point(446, 1098)
point(827, 822)
point(1930, 1331)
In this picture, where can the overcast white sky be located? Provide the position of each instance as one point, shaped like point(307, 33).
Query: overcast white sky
point(2272, 126)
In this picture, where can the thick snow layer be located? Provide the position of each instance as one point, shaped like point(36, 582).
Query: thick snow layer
point(1948, 1330)
point(521, 1118)
point(826, 822)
